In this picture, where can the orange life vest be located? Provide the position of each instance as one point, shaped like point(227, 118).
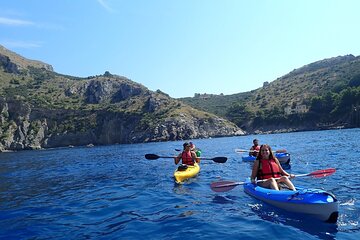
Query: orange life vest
point(187, 158)
point(268, 168)
point(257, 148)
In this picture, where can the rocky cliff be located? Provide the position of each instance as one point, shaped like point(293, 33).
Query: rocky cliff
point(25, 127)
point(43, 109)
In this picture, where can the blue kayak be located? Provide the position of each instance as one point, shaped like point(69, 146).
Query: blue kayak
point(315, 203)
point(282, 157)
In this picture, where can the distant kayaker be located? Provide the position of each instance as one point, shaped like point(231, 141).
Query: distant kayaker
point(187, 156)
point(267, 167)
point(254, 150)
point(196, 150)
point(192, 146)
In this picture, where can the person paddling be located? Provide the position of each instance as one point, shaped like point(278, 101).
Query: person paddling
point(254, 150)
point(187, 156)
point(267, 167)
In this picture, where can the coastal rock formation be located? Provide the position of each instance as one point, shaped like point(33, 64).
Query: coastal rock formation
point(40, 108)
point(24, 127)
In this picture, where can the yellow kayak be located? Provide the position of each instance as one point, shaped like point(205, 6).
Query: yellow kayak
point(189, 172)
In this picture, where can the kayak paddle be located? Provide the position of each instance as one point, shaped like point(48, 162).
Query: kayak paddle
point(319, 173)
point(224, 186)
point(244, 150)
point(215, 159)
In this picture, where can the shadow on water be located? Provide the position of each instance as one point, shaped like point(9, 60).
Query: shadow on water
point(304, 223)
point(181, 189)
point(224, 199)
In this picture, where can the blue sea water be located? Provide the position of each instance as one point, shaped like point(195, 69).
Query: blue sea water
point(113, 192)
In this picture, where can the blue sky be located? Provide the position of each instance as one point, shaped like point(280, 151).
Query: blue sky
point(182, 47)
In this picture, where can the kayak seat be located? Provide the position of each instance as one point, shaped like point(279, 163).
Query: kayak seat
point(283, 186)
point(182, 167)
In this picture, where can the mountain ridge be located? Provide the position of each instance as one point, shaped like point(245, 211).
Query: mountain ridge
point(40, 108)
point(251, 110)
point(23, 62)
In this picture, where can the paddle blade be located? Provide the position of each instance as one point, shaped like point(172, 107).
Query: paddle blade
point(219, 159)
point(223, 186)
point(241, 150)
point(151, 156)
point(322, 173)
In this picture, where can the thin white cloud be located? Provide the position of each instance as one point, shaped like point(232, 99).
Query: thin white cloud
point(105, 5)
point(20, 44)
point(17, 22)
point(14, 22)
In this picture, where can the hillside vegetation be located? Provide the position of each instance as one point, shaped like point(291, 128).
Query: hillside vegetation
point(328, 90)
point(40, 108)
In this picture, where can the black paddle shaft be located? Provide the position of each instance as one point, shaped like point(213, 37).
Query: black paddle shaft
point(150, 156)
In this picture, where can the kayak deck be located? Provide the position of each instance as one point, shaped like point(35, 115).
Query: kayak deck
point(189, 172)
point(282, 157)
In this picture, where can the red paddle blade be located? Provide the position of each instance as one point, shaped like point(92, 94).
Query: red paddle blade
point(323, 173)
point(223, 186)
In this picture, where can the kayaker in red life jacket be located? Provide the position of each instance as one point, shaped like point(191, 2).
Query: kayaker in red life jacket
point(187, 156)
point(267, 166)
point(254, 150)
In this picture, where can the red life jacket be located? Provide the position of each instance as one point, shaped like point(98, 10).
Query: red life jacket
point(187, 158)
point(268, 168)
point(257, 148)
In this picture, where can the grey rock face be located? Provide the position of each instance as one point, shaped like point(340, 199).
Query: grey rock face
point(23, 127)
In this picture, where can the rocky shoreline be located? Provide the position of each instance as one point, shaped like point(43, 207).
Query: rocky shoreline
point(27, 128)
